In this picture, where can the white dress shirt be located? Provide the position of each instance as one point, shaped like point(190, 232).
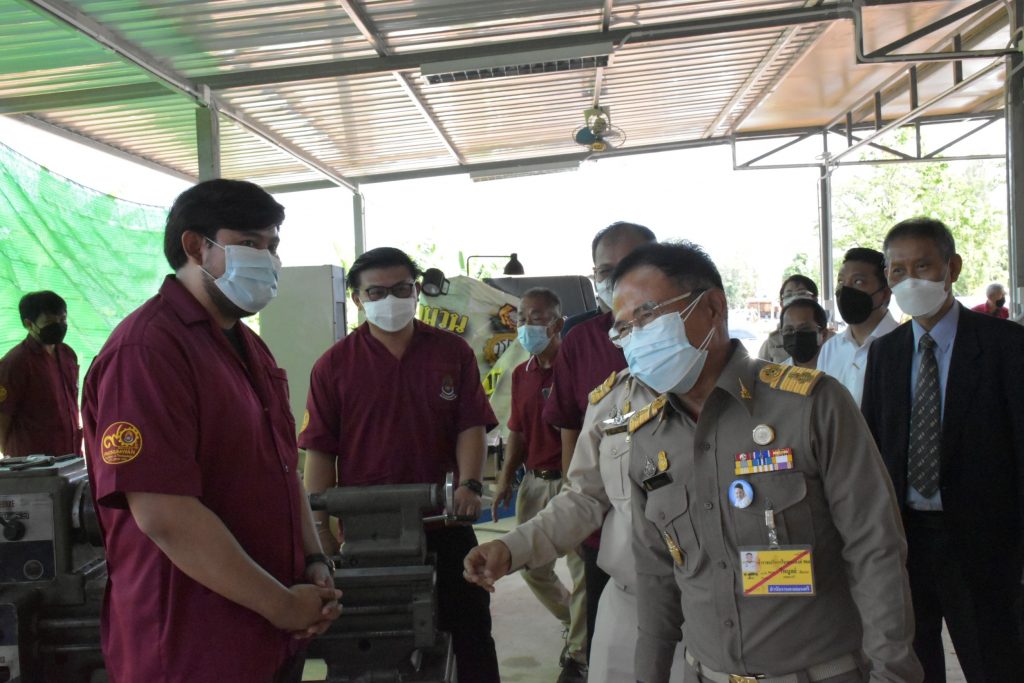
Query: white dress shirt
point(842, 358)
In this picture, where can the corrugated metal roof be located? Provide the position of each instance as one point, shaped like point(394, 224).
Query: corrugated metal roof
point(340, 80)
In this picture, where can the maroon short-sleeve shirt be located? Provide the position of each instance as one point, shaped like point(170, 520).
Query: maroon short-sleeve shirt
point(389, 420)
point(586, 359)
point(39, 391)
point(170, 407)
point(531, 385)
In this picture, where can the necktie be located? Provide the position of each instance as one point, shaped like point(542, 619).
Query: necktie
point(925, 424)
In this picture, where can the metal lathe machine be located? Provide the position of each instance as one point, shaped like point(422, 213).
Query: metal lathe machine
point(53, 575)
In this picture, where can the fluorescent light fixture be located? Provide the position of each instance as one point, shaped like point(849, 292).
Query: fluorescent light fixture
point(512, 171)
point(570, 58)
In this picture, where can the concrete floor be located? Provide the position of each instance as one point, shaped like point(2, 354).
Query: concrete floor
point(529, 639)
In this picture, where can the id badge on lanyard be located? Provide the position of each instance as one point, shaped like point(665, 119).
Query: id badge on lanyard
point(776, 570)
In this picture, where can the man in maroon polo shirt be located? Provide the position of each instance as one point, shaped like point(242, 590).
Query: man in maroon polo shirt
point(400, 402)
point(39, 383)
point(535, 442)
point(587, 359)
point(214, 564)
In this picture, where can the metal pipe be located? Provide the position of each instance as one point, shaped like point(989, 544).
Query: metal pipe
point(825, 234)
point(880, 57)
point(359, 223)
point(1015, 165)
point(912, 115)
point(57, 624)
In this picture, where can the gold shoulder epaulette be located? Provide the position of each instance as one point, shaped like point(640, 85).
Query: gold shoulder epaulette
point(647, 413)
point(602, 389)
point(790, 378)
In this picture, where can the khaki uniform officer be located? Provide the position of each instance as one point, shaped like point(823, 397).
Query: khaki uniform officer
point(761, 509)
point(597, 489)
point(595, 496)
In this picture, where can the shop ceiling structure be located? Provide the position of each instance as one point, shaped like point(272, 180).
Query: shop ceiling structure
point(307, 93)
point(299, 94)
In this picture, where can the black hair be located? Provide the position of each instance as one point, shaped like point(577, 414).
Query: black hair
point(381, 257)
point(803, 280)
point(620, 230)
point(820, 316)
point(684, 262)
point(546, 295)
point(35, 304)
point(214, 205)
point(875, 259)
point(928, 228)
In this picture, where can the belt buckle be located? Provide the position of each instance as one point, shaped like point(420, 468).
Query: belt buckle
point(737, 678)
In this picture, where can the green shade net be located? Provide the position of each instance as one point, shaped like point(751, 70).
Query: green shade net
point(102, 254)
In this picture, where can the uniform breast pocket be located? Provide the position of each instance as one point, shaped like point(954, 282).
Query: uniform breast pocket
point(785, 493)
point(278, 379)
point(614, 464)
point(668, 508)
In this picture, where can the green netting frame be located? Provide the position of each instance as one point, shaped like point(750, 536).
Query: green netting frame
point(104, 255)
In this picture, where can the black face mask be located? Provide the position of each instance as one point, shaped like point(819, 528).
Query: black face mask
point(801, 346)
point(1000, 302)
point(53, 333)
point(854, 305)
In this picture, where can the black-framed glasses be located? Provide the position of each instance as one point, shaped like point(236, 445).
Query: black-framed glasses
point(645, 315)
point(402, 290)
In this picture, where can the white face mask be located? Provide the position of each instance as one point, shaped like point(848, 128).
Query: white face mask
point(604, 291)
point(250, 276)
point(661, 356)
point(920, 298)
point(391, 314)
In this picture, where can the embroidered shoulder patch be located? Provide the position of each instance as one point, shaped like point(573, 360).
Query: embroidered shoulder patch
point(121, 443)
point(602, 390)
point(790, 378)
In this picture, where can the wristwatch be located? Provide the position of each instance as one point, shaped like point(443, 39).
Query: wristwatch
point(473, 485)
point(320, 557)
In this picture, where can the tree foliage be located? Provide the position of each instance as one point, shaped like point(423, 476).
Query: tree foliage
point(969, 197)
point(740, 284)
point(802, 264)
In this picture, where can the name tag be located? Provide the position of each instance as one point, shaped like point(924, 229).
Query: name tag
point(777, 572)
point(656, 481)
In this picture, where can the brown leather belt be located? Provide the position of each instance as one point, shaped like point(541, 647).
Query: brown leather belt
point(547, 475)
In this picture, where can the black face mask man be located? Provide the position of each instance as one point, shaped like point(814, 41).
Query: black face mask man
point(855, 305)
point(52, 333)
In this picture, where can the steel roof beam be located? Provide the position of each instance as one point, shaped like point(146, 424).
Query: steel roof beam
point(412, 60)
point(914, 114)
point(365, 27)
point(690, 28)
point(71, 16)
point(508, 164)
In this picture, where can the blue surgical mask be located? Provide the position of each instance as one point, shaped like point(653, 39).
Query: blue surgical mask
point(660, 354)
point(534, 338)
point(250, 276)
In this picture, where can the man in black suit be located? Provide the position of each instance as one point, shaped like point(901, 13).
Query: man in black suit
point(944, 398)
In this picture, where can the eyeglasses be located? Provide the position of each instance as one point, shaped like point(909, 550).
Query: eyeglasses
point(645, 315)
point(403, 290)
point(532, 320)
point(802, 328)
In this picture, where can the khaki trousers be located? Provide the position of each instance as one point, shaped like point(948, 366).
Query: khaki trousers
point(568, 607)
